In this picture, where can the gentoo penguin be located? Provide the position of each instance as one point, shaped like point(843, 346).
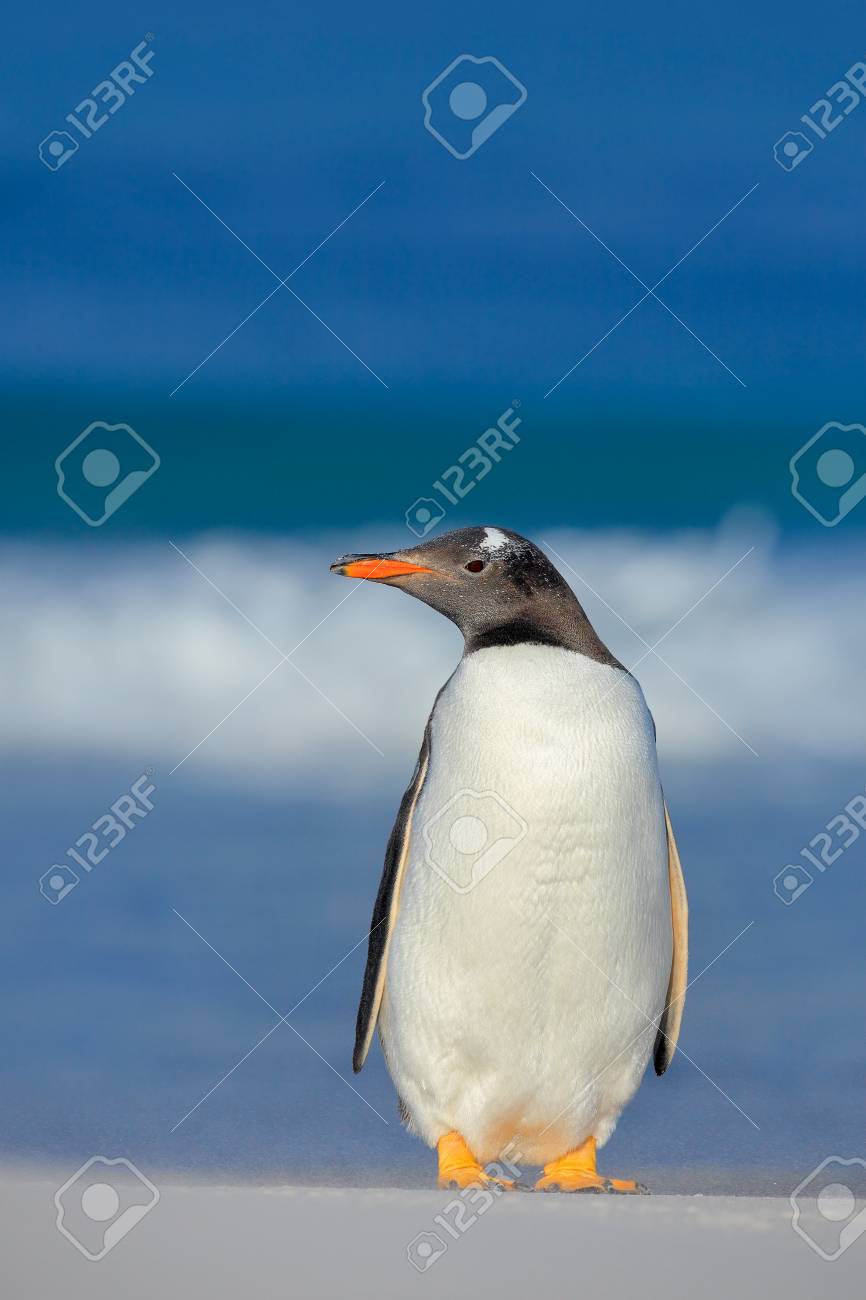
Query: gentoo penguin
point(528, 945)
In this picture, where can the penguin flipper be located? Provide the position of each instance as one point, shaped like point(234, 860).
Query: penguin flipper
point(669, 1027)
point(385, 910)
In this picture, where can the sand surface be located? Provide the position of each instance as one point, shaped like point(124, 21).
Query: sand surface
point(215, 1242)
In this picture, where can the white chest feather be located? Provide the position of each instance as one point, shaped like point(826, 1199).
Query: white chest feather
point(532, 948)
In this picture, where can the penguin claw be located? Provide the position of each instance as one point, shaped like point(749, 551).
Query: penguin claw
point(604, 1188)
point(634, 1189)
point(484, 1181)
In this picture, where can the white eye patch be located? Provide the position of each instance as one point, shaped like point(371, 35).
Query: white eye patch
point(493, 540)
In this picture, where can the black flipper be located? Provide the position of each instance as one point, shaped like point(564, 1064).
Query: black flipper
point(669, 1028)
point(385, 909)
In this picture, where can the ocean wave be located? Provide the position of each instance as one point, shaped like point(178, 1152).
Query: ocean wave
point(175, 657)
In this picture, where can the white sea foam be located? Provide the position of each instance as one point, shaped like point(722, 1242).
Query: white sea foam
point(126, 651)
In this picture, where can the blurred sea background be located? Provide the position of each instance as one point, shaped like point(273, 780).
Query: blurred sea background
point(426, 297)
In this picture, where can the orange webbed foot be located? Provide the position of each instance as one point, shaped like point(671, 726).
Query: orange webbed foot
point(576, 1172)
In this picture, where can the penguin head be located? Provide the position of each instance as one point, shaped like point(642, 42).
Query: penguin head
point(495, 585)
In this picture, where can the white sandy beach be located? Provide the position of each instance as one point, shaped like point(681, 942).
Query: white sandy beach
point(284, 1242)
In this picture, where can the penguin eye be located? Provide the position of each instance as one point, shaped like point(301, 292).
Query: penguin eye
point(474, 566)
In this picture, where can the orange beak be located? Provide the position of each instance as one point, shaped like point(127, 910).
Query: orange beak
point(376, 567)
